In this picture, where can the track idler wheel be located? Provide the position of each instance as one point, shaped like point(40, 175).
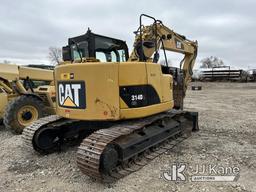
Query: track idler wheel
point(47, 140)
point(109, 159)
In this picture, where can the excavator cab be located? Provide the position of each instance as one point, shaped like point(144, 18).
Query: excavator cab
point(94, 47)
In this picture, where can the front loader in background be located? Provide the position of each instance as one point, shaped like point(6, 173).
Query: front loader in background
point(26, 94)
point(3, 102)
point(125, 109)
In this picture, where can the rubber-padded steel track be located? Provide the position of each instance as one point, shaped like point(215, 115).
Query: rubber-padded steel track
point(29, 131)
point(53, 122)
point(91, 149)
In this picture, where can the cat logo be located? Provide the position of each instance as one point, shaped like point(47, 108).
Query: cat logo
point(179, 45)
point(71, 94)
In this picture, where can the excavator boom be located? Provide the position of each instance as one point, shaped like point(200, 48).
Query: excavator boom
point(149, 39)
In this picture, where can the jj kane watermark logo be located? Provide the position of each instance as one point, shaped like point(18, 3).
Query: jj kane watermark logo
point(179, 172)
point(176, 173)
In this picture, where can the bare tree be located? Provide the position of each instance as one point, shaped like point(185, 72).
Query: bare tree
point(55, 55)
point(6, 62)
point(210, 62)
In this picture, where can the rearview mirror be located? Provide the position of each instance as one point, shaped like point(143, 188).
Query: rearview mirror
point(66, 55)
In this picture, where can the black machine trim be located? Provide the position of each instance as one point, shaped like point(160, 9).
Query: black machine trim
point(139, 95)
point(90, 38)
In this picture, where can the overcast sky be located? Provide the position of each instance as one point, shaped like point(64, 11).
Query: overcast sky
point(223, 28)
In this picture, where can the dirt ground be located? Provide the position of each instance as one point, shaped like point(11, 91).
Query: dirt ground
point(227, 137)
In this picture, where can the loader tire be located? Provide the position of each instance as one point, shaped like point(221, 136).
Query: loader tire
point(22, 111)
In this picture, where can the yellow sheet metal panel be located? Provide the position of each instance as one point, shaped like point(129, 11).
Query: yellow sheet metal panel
point(140, 112)
point(9, 71)
point(162, 83)
point(3, 102)
point(48, 94)
point(154, 74)
point(91, 93)
point(167, 87)
point(132, 73)
point(35, 74)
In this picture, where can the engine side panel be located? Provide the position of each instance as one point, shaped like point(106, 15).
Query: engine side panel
point(88, 91)
point(144, 90)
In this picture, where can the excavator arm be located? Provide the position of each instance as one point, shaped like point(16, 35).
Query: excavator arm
point(149, 39)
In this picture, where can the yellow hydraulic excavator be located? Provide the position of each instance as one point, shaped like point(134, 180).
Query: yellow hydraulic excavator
point(124, 110)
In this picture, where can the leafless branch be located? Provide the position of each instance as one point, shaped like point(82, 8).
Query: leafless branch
point(55, 55)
